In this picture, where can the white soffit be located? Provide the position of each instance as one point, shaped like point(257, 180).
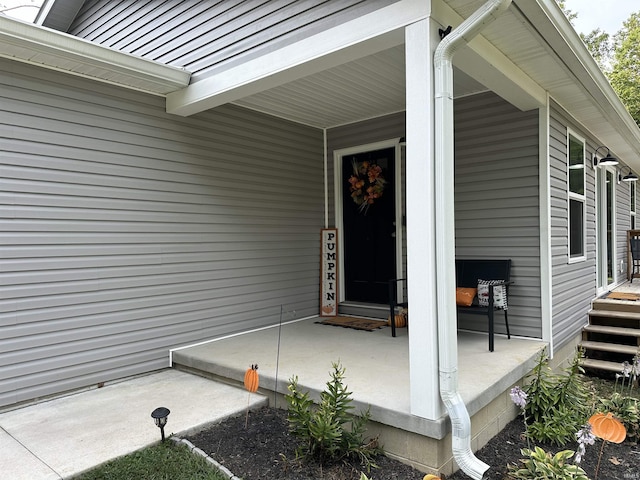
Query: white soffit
point(48, 48)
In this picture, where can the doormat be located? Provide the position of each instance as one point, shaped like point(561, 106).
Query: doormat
point(354, 322)
point(623, 296)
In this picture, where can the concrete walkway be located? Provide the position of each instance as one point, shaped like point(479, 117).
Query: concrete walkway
point(68, 435)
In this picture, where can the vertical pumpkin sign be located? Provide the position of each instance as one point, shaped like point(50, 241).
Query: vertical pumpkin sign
point(329, 272)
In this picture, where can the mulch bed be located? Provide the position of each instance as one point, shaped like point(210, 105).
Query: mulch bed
point(266, 450)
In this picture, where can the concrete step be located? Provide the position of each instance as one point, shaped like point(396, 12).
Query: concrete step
point(589, 363)
point(630, 350)
point(610, 330)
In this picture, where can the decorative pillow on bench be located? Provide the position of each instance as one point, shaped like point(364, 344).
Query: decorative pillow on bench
point(499, 293)
point(465, 296)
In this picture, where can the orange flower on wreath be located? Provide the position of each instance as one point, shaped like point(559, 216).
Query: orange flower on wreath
point(366, 184)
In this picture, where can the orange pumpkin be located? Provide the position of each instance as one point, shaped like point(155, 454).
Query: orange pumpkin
point(606, 427)
point(251, 379)
point(400, 319)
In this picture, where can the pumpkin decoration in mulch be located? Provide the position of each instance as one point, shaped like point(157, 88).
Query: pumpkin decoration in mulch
point(252, 379)
point(609, 429)
point(606, 427)
point(431, 476)
point(251, 383)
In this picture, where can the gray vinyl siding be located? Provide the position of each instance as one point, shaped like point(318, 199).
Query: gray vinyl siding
point(203, 35)
point(127, 231)
point(573, 284)
point(497, 201)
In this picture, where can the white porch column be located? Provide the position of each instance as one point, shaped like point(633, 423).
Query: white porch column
point(423, 334)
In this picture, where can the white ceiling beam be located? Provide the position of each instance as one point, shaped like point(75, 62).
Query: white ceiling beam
point(366, 35)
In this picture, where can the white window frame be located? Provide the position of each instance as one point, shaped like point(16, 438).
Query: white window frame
point(573, 196)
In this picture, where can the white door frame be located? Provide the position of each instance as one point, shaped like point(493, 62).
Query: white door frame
point(338, 182)
point(602, 237)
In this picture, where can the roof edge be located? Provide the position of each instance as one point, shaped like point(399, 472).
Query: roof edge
point(59, 51)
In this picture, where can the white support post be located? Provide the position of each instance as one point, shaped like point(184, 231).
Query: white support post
point(423, 333)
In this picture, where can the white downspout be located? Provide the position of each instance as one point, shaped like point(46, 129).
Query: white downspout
point(445, 233)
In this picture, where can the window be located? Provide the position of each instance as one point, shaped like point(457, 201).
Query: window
point(632, 190)
point(577, 199)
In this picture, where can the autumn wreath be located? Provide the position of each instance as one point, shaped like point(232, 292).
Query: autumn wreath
point(366, 184)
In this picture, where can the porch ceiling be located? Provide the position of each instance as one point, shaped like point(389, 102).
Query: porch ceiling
point(533, 42)
point(365, 88)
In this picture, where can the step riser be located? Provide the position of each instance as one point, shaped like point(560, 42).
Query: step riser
point(612, 336)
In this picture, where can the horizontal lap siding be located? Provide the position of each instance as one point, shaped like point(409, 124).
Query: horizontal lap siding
point(497, 200)
point(574, 284)
point(127, 231)
point(200, 35)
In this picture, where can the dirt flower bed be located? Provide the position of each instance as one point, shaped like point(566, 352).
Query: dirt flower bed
point(266, 450)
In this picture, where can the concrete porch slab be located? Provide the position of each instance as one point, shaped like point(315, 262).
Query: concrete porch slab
point(377, 366)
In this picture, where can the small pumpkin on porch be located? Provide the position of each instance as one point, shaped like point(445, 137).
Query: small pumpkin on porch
point(401, 318)
point(252, 379)
point(608, 428)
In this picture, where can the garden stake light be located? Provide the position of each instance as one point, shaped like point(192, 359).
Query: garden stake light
point(159, 416)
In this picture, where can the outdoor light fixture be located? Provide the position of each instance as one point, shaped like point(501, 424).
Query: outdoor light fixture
point(629, 177)
point(159, 416)
point(608, 159)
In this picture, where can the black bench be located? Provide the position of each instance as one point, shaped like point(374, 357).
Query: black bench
point(468, 272)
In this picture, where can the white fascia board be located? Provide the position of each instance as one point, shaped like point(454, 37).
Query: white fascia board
point(49, 48)
point(366, 35)
point(485, 63)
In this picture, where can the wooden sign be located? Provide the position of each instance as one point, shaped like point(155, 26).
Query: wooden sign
point(329, 272)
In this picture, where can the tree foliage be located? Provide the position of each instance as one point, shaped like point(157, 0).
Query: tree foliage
point(625, 72)
point(618, 56)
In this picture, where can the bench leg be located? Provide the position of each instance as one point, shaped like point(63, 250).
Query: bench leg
point(392, 308)
point(506, 322)
point(491, 329)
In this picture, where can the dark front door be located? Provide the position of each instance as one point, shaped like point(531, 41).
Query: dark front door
point(369, 215)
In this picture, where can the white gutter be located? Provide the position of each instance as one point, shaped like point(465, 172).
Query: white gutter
point(445, 233)
point(44, 47)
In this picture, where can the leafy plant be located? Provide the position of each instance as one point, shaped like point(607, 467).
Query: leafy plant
point(540, 465)
point(329, 430)
point(557, 405)
point(626, 409)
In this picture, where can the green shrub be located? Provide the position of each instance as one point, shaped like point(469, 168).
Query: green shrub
point(557, 405)
point(329, 431)
point(541, 465)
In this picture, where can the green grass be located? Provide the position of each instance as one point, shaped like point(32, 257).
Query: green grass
point(164, 461)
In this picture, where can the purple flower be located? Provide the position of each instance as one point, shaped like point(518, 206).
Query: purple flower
point(584, 437)
point(518, 396)
point(626, 369)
